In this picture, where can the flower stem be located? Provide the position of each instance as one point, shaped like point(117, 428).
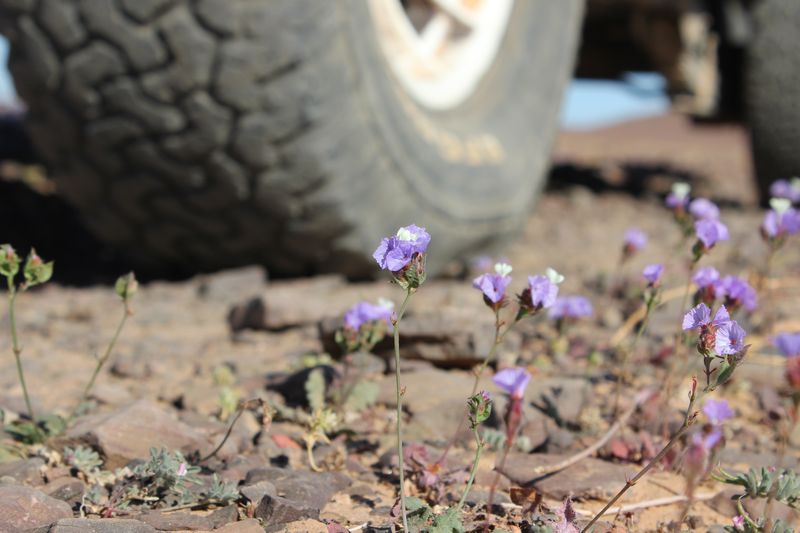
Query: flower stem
point(687, 422)
point(396, 327)
point(12, 298)
point(474, 470)
point(102, 360)
point(498, 340)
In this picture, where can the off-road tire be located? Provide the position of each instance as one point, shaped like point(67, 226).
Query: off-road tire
point(201, 134)
point(772, 81)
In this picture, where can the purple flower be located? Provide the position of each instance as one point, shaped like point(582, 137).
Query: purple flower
point(494, 285)
point(678, 198)
point(781, 220)
point(182, 469)
point(707, 442)
point(788, 343)
point(729, 338)
point(571, 307)
point(364, 312)
point(394, 253)
point(705, 276)
point(652, 273)
point(736, 292)
point(717, 411)
point(702, 208)
point(710, 231)
point(700, 315)
point(635, 239)
point(738, 520)
point(786, 189)
point(543, 292)
point(512, 380)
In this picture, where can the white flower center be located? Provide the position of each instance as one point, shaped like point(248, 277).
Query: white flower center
point(553, 275)
point(405, 235)
point(504, 269)
point(681, 189)
point(780, 205)
point(386, 304)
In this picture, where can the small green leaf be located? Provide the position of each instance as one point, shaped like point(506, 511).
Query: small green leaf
point(418, 513)
point(315, 389)
point(447, 522)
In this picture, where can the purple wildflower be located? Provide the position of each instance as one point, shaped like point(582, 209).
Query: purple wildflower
point(788, 343)
point(707, 442)
point(635, 240)
point(493, 285)
point(738, 520)
point(710, 231)
point(729, 338)
point(717, 411)
point(571, 307)
point(543, 292)
point(700, 315)
point(512, 380)
point(652, 273)
point(364, 312)
point(396, 252)
point(705, 276)
point(182, 469)
point(780, 221)
point(736, 292)
point(702, 208)
point(678, 198)
point(786, 189)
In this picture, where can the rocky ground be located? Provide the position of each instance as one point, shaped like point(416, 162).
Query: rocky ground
point(194, 348)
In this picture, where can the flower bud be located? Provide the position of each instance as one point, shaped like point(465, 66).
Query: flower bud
point(126, 286)
point(9, 261)
point(36, 271)
point(480, 407)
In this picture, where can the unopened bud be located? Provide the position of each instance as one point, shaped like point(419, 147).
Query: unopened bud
point(126, 286)
point(37, 271)
point(480, 407)
point(9, 261)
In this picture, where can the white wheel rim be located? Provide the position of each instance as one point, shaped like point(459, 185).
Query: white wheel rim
point(440, 50)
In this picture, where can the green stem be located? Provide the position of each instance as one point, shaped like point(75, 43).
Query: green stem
point(396, 327)
point(498, 340)
point(474, 470)
point(12, 297)
point(102, 360)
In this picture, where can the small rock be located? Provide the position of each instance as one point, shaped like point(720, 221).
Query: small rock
point(275, 510)
point(24, 471)
point(175, 521)
point(105, 525)
point(131, 366)
point(257, 491)
point(23, 508)
point(68, 489)
point(247, 315)
point(129, 433)
point(591, 479)
point(231, 285)
point(562, 399)
point(290, 303)
point(250, 525)
point(297, 494)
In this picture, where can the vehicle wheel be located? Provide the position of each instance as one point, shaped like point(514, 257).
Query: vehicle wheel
point(773, 94)
point(294, 133)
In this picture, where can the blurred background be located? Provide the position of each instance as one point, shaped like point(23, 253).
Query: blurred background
point(177, 143)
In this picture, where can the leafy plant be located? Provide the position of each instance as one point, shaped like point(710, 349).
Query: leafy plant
point(165, 476)
point(767, 483)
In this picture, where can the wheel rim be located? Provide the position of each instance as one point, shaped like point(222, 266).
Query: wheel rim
point(440, 50)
